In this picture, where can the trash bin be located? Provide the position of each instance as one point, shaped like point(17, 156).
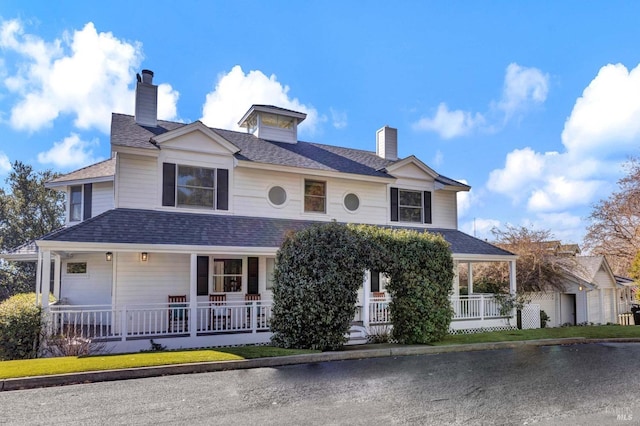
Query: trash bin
point(635, 309)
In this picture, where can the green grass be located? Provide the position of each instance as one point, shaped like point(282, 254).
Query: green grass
point(591, 332)
point(48, 366)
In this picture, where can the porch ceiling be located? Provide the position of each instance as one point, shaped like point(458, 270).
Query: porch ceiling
point(148, 227)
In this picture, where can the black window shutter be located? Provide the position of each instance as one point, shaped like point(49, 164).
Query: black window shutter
point(222, 191)
point(426, 199)
point(202, 274)
point(394, 204)
point(168, 184)
point(88, 189)
point(252, 275)
point(375, 281)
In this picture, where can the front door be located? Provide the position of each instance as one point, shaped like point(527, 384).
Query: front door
point(568, 308)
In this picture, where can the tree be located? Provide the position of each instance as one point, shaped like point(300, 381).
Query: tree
point(28, 211)
point(615, 222)
point(538, 267)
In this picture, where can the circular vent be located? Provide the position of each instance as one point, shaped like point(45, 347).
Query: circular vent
point(277, 195)
point(351, 202)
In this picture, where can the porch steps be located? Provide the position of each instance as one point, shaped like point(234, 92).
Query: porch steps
point(357, 335)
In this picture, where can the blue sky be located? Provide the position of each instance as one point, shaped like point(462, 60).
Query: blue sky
point(536, 105)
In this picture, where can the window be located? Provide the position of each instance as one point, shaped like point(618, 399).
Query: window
point(280, 121)
point(271, 266)
point(77, 268)
point(227, 275)
point(75, 203)
point(314, 196)
point(192, 186)
point(410, 206)
point(196, 186)
point(277, 195)
point(351, 202)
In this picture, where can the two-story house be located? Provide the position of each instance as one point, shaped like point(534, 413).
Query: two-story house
point(175, 235)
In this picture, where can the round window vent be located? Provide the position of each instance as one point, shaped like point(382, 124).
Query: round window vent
point(351, 202)
point(277, 195)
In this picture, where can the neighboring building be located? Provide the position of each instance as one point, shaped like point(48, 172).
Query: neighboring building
point(175, 236)
point(591, 294)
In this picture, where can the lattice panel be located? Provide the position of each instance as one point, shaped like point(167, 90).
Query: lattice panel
point(483, 329)
point(530, 316)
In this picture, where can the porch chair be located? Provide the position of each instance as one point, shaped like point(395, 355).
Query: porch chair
point(220, 314)
point(178, 315)
point(250, 298)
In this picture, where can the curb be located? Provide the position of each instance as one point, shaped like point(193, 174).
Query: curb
point(206, 367)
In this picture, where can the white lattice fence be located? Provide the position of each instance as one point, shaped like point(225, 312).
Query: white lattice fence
point(530, 316)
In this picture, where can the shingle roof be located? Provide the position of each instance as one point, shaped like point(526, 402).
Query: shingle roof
point(132, 226)
point(125, 132)
point(104, 168)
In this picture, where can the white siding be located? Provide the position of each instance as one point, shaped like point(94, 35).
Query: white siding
point(92, 288)
point(137, 182)
point(593, 299)
point(444, 209)
point(549, 304)
point(153, 281)
point(252, 187)
point(102, 198)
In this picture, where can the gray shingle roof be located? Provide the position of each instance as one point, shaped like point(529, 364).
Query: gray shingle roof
point(102, 169)
point(132, 226)
point(125, 132)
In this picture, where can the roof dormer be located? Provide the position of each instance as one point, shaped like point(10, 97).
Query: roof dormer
point(272, 123)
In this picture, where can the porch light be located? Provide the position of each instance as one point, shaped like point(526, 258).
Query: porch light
point(579, 288)
point(144, 256)
point(109, 256)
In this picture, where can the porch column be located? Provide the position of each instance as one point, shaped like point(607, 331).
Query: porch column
point(366, 295)
point(456, 278)
point(193, 295)
point(601, 298)
point(512, 277)
point(470, 278)
point(56, 276)
point(39, 278)
point(46, 278)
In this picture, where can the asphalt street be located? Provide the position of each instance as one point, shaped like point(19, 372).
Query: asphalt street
point(564, 385)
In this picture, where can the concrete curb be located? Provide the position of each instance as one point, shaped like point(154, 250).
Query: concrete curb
point(351, 354)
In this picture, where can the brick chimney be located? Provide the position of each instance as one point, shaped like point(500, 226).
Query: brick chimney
point(146, 100)
point(387, 143)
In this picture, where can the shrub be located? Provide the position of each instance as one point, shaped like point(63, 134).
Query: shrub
point(318, 272)
point(544, 319)
point(20, 327)
point(320, 269)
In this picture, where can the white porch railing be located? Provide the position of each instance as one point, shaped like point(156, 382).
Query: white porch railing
point(166, 320)
point(162, 319)
point(475, 306)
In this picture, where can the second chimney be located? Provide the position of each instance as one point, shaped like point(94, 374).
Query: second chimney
point(146, 100)
point(387, 143)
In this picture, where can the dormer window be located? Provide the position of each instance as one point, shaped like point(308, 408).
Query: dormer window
point(279, 121)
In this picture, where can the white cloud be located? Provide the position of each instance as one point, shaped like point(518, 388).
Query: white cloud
point(481, 228)
point(603, 128)
point(84, 74)
point(236, 91)
point(450, 124)
point(71, 152)
point(606, 118)
point(438, 159)
point(5, 164)
point(464, 199)
point(338, 118)
point(522, 87)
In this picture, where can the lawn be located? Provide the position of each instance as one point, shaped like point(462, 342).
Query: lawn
point(48, 366)
point(590, 332)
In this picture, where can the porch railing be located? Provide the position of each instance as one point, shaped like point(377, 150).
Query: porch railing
point(161, 319)
point(165, 319)
point(476, 306)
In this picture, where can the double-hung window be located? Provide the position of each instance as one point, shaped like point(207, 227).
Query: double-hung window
point(410, 206)
point(193, 186)
point(315, 196)
point(75, 203)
